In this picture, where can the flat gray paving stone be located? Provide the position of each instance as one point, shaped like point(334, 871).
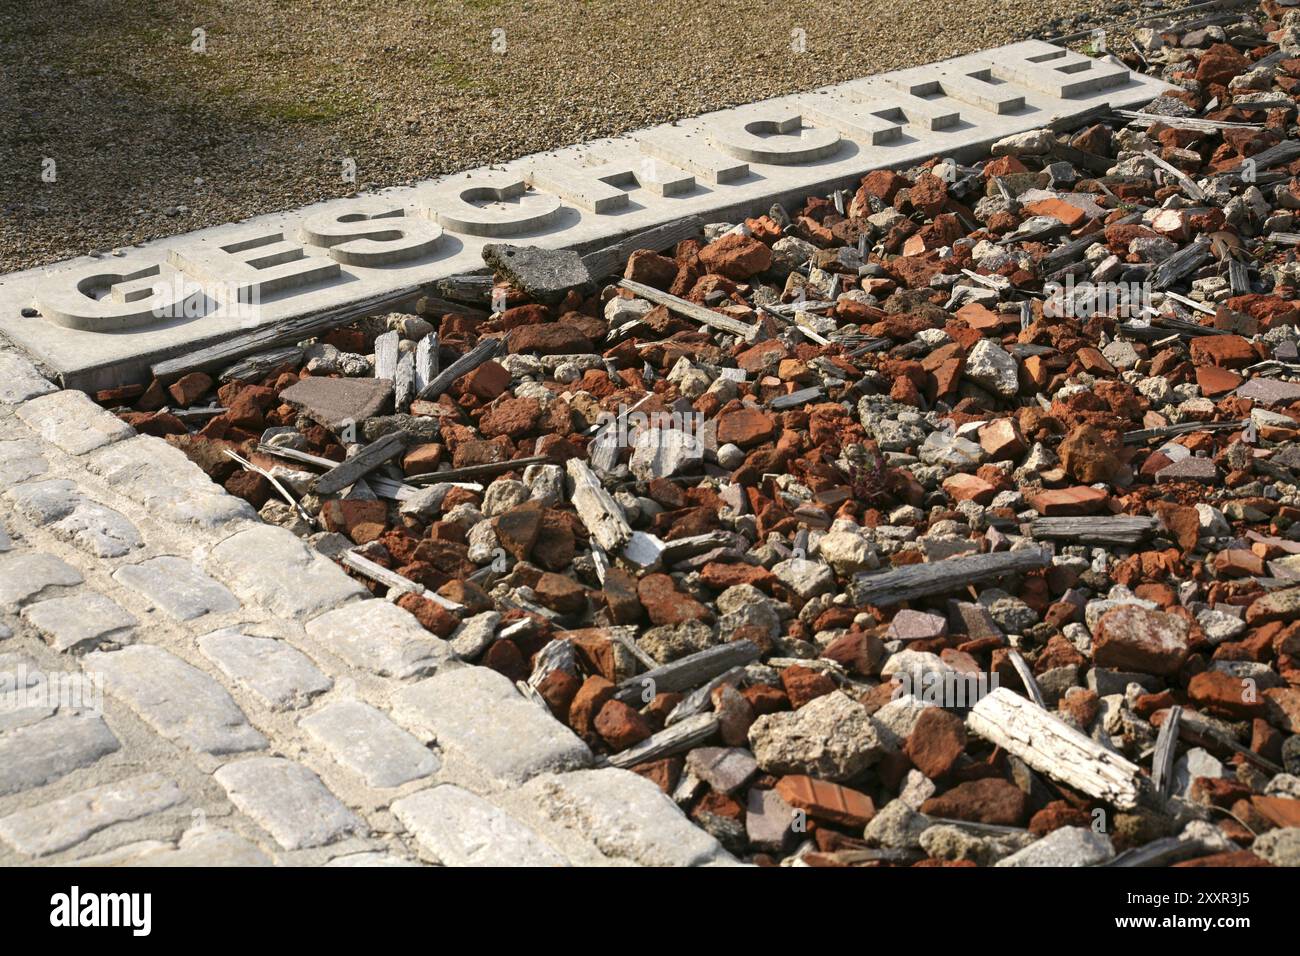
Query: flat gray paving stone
point(24, 575)
point(279, 675)
point(72, 421)
point(204, 847)
point(371, 858)
point(459, 828)
point(178, 587)
point(20, 381)
point(50, 827)
point(288, 801)
point(334, 402)
point(272, 568)
point(365, 741)
point(478, 713)
point(381, 638)
point(161, 478)
point(81, 622)
point(20, 459)
point(627, 816)
point(93, 527)
point(51, 748)
point(179, 701)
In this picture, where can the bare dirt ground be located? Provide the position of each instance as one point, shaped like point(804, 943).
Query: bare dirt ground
point(154, 129)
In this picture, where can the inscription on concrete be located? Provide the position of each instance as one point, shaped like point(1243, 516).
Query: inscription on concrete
point(103, 322)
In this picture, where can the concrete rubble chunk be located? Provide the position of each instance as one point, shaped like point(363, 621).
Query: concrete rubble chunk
point(288, 801)
point(544, 274)
point(459, 828)
point(1068, 846)
point(337, 402)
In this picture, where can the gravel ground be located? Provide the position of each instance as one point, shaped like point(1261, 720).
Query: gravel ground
point(150, 138)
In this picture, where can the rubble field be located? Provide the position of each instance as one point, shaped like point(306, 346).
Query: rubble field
point(952, 521)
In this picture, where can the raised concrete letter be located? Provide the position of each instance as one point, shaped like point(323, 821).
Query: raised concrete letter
point(372, 234)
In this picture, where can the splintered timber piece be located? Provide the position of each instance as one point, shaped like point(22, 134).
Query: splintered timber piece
point(1120, 529)
point(688, 672)
point(362, 463)
point(471, 360)
point(600, 513)
point(1162, 762)
point(689, 733)
point(942, 577)
point(692, 311)
point(1053, 747)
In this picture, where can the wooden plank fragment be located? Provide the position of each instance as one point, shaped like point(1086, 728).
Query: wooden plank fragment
point(485, 350)
point(1117, 530)
point(1053, 747)
point(290, 331)
point(601, 515)
point(362, 463)
point(1162, 762)
point(606, 261)
point(386, 349)
point(941, 577)
point(690, 310)
point(680, 737)
point(474, 472)
point(690, 671)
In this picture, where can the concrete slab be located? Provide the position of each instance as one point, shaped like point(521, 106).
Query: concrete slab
point(103, 322)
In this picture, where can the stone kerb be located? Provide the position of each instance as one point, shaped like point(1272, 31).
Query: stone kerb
point(103, 322)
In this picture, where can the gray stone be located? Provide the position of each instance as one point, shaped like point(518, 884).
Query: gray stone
point(91, 526)
point(950, 451)
point(6, 543)
point(80, 622)
point(270, 567)
point(58, 824)
point(1068, 846)
point(478, 714)
point(178, 701)
point(166, 483)
point(72, 421)
point(365, 741)
point(338, 402)
point(948, 842)
point(910, 625)
point(805, 578)
point(1280, 847)
point(380, 638)
point(202, 846)
point(831, 737)
point(544, 274)
point(665, 453)
point(1190, 469)
point(897, 826)
point(20, 459)
point(847, 552)
point(725, 769)
point(627, 816)
point(996, 370)
point(279, 675)
point(1270, 391)
point(20, 381)
point(25, 575)
point(668, 642)
point(768, 820)
point(459, 828)
point(475, 634)
point(288, 801)
point(371, 859)
point(51, 748)
point(178, 587)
